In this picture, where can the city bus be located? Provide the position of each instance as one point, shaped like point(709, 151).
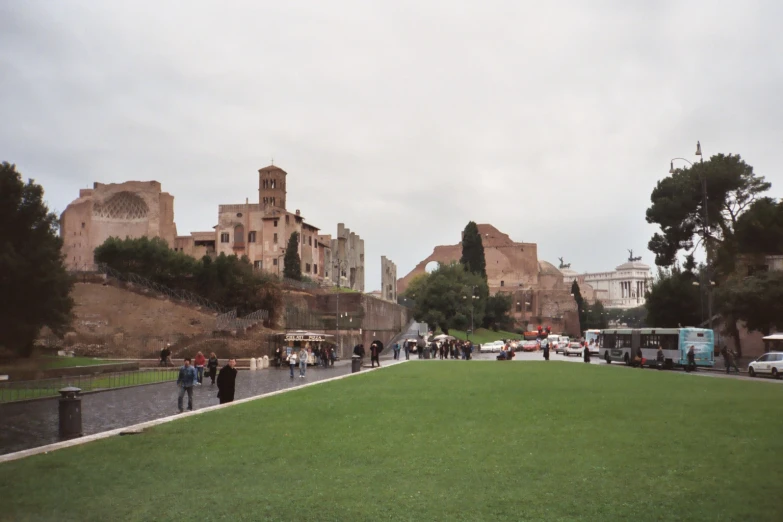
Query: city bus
point(622, 344)
point(591, 338)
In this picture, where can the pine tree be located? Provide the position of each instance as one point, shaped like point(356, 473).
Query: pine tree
point(35, 287)
point(580, 304)
point(473, 251)
point(292, 264)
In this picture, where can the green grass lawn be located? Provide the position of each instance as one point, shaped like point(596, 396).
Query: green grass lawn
point(12, 391)
point(482, 335)
point(450, 441)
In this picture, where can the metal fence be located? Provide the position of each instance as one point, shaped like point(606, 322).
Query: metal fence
point(24, 390)
point(229, 321)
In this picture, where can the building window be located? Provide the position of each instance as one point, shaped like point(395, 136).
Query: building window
point(224, 237)
point(502, 283)
point(275, 239)
point(272, 200)
point(258, 265)
point(310, 240)
point(519, 307)
point(266, 200)
point(82, 224)
point(274, 262)
point(251, 237)
point(275, 222)
point(286, 219)
point(307, 267)
point(315, 269)
point(272, 183)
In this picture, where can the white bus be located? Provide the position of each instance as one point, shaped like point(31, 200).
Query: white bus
point(621, 345)
point(591, 338)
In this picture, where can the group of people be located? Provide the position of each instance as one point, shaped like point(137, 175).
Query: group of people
point(375, 352)
point(192, 375)
point(324, 357)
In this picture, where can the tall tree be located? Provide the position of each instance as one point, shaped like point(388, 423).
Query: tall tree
point(755, 300)
point(443, 297)
point(292, 267)
point(496, 315)
point(673, 299)
point(473, 251)
point(580, 304)
point(596, 317)
point(34, 284)
point(760, 229)
point(677, 207)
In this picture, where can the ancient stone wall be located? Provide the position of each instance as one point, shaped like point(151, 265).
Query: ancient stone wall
point(131, 209)
point(388, 280)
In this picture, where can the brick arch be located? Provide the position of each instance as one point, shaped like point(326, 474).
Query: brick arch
point(123, 206)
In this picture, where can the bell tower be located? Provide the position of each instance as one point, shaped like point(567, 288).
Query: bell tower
point(271, 187)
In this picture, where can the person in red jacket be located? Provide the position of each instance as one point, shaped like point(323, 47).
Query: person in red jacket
point(199, 363)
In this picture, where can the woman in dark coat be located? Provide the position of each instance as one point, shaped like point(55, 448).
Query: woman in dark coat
point(226, 382)
point(212, 365)
point(587, 353)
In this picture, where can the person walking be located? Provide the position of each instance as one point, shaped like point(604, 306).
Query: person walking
point(303, 358)
point(544, 344)
point(586, 353)
point(227, 381)
point(375, 353)
point(199, 363)
point(186, 379)
point(212, 366)
point(396, 349)
point(728, 359)
point(691, 359)
point(292, 362)
point(660, 358)
point(165, 353)
point(407, 347)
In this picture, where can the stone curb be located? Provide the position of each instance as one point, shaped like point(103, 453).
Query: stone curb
point(149, 424)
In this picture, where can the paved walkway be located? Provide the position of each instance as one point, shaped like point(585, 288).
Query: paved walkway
point(29, 424)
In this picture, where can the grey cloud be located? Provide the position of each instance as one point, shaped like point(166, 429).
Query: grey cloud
point(402, 119)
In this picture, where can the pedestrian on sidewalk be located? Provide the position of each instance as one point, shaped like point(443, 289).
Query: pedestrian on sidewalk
point(728, 359)
point(396, 349)
point(375, 353)
point(406, 345)
point(292, 362)
point(587, 353)
point(199, 363)
point(303, 358)
point(212, 366)
point(691, 360)
point(227, 381)
point(185, 381)
point(165, 355)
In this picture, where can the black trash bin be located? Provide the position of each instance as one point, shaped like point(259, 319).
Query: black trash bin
point(70, 413)
point(356, 363)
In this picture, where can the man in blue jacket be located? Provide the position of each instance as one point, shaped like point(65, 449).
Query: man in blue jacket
point(187, 378)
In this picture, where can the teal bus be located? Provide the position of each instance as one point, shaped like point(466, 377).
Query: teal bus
point(621, 345)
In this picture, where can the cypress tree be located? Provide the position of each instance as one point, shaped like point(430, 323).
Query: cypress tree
point(292, 264)
point(473, 251)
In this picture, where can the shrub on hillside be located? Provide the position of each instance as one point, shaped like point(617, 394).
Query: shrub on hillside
point(228, 280)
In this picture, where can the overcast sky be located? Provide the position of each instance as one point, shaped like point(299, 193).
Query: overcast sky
point(403, 119)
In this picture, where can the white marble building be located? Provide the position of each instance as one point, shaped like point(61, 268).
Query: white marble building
point(624, 287)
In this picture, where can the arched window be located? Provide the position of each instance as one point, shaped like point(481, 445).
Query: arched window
point(239, 235)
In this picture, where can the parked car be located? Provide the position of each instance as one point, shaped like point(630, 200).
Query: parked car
point(573, 348)
point(529, 346)
point(494, 346)
point(770, 363)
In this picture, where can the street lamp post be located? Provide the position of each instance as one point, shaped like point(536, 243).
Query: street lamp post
point(705, 224)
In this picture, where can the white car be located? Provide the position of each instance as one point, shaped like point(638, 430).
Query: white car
point(573, 348)
point(770, 363)
point(494, 346)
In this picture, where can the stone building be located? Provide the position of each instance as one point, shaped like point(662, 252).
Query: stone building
point(125, 210)
point(624, 287)
point(348, 259)
point(540, 295)
point(388, 280)
point(261, 231)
